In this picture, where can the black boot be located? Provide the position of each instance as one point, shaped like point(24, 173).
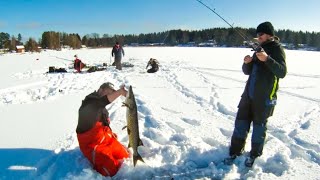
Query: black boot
point(229, 160)
point(249, 161)
point(236, 149)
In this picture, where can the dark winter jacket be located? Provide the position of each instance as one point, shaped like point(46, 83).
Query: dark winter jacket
point(78, 65)
point(91, 111)
point(154, 64)
point(267, 75)
point(117, 52)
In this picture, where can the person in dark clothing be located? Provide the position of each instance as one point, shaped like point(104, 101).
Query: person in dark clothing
point(96, 140)
point(154, 65)
point(259, 98)
point(117, 52)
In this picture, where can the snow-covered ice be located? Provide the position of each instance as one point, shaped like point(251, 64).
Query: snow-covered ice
point(186, 115)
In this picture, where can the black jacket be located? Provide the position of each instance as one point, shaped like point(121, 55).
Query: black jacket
point(91, 111)
point(117, 52)
point(267, 79)
point(154, 64)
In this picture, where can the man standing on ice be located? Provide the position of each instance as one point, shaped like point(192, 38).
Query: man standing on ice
point(259, 98)
point(117, 52)
point(96, 140)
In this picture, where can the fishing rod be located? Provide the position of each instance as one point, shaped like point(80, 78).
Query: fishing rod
point(255, 47)
point(166, 36)
point(62, 58)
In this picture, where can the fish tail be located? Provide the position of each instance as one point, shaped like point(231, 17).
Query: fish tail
point(136, 158)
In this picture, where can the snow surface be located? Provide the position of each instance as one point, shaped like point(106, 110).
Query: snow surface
point(186, 115)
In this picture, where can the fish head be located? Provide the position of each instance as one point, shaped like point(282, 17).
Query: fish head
point(130, 93)
point(130, 97)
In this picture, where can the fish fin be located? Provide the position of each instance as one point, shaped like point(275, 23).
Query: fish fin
point(129, 146)
point(126, 105)
point(140, 143)
point(124, 127)
point(136, 158)
point(128, 130)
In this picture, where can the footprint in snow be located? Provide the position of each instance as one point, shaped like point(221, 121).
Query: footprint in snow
point(191, 121)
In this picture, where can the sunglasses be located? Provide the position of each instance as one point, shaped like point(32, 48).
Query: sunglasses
point(260, 34)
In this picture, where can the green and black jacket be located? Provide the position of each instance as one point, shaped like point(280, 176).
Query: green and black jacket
point(267, 79)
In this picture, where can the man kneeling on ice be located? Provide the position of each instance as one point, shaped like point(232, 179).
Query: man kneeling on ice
point(78, 64)
point(154, 65)
point(96, 140)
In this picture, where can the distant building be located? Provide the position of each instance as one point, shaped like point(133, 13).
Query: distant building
point(66, 47)
point(134, 44)
point(209, 43)
point(189, 44)
point(288, 45)
point(20, 49)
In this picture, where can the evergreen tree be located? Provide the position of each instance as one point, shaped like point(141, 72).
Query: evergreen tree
point(13, 44)
point(84, 40)
point(297, 39)
point(19, 39)
point(185, 37)
point(31, 45)
point(78, 37)
point(4, 38)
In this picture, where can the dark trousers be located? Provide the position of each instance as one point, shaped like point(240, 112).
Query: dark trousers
point(117, 61)
point(152, 70)
point(245, 117)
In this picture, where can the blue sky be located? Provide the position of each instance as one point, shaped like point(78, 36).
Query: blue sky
point(32, 17)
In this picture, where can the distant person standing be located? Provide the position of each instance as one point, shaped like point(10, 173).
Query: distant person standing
point(154, 65)
point(259, 98)
point(117, 52)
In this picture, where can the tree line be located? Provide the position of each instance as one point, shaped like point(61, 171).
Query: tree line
point(49, 40)
point(56, 40)
point(9, 42)
point(228, 37)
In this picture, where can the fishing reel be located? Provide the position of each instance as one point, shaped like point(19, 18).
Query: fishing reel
point(256, 47)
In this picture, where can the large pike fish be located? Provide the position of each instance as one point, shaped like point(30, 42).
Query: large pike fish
point(133, 126)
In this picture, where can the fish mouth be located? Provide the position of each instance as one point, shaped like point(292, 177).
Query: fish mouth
point(130, 93)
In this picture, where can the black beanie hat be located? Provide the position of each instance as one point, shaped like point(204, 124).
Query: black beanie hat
point(265, 27)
